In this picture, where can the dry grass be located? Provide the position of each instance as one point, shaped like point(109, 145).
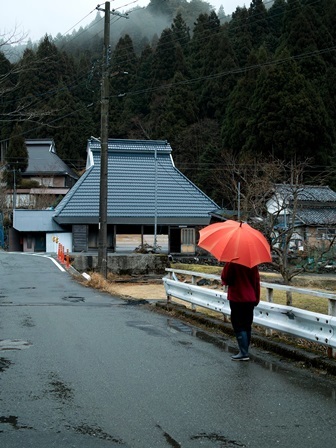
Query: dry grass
point(127, 287)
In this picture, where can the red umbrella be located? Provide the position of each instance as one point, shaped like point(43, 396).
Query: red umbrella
point(236, 242)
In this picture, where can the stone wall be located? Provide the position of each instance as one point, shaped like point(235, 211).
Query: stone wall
point(128, 264)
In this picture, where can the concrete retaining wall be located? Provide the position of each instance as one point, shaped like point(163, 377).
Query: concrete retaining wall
point(128, 264)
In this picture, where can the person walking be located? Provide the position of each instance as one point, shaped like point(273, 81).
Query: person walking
point(243, 293)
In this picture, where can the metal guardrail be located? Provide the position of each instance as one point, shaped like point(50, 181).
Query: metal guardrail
point(319, 328)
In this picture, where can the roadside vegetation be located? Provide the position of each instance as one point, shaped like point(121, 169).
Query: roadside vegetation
point(148, 286)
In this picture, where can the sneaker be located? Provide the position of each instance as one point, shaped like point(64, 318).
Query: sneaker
point(240, 357)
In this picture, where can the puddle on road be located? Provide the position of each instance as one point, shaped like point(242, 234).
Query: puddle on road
point(4, 364)
point(73, 299)
point(181, 327)
point(4, 300)
point(135, 302)
point(224, 441)
point(215, 439)
point(150, 329)
point(14, 344)
point(96, 431)
point(59, 390)
point(170, 440)
point(27, 322)
point(12, 420)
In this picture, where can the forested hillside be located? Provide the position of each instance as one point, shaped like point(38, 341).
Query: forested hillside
point(258, 85)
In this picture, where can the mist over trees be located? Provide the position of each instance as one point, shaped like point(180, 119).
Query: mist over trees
point(255, 86)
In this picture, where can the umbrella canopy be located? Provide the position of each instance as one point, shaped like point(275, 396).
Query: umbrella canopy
point(236, 242)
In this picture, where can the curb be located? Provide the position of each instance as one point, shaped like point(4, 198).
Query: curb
point(214, 328)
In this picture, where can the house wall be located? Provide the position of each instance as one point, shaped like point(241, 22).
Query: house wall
point(23, 200)
point(53, 239)
point(50, 181)
point(320, 237)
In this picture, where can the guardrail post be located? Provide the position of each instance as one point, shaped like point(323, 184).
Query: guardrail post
point(269, 294)
point(269, 298)
point(193, 282)
point(226, 318)
point(168, 297)
point(331, 352)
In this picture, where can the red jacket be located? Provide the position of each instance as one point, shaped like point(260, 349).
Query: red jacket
point(243, 282)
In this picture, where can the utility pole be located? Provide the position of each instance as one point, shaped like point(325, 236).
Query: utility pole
point(14, 192)
point(102, 246)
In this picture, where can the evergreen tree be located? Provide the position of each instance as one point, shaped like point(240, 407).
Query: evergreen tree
point(143, 82)
point(181, 32)
point(180, 110)
point(290, 119)
point(71, 126)
point(275, 20)
point(198, 148)
point(16, 158)
point(258, 22)
point(301, 40)
point(164, 61)
point(7, 96)
point(240, 36)
point(239, 111)
point(122, 79)
point(219, 77)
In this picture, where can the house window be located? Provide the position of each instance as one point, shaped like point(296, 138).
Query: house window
point(325, 233)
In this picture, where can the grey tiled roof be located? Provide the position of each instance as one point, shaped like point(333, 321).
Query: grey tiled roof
point(317, 216)
point(136, 189)
point(316, 205)
point(313, 193)
point(42, 159)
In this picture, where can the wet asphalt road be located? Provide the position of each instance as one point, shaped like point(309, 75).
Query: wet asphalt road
point(79, 368)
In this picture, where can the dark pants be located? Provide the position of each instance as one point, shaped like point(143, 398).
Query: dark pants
point(242, 316)
point(241, 320)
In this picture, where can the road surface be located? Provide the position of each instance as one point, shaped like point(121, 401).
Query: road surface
point(79, 368)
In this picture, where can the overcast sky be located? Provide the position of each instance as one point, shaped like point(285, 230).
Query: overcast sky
point(38, 17)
